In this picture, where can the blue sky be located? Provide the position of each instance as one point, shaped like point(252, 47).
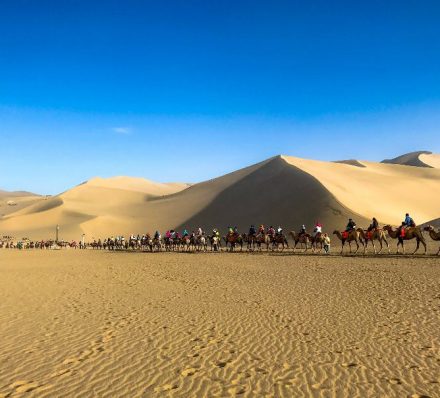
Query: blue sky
point(188, 90)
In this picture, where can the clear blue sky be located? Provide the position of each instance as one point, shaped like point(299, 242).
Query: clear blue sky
point(188, 90)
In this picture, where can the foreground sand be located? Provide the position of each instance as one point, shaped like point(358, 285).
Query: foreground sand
point(140, 325)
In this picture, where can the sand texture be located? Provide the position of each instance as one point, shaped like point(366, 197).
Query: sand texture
point(87, 324)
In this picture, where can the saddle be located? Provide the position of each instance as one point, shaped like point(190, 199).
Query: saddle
point(345, 234)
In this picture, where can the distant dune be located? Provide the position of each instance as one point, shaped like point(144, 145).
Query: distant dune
point(137, 184)
point(11, 202)
point(283, 190)
point(411, 159)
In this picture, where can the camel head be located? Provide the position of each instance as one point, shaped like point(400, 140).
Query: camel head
point(388, 228)
point(336, 232)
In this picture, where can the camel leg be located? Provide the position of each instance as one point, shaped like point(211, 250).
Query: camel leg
point(357, 244)
point(381, 245)
point(374, 247)
point(388, 246)
point(342, 249)
point(438, 253)
point(365, 246)
point(417, 247)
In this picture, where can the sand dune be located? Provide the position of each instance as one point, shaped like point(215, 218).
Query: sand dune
point(137, 184)
point(386, 191)
point(85, 323)
point(11, 202)
point(282, 190)
point(417, 159)
point(432, 160)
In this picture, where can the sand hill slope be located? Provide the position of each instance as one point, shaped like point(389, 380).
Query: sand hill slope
point(385, 191)
point(282, 190)
point(11, 202)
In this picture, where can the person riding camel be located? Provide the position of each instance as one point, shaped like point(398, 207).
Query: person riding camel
point(279, 231)
point(318, 229)
point(407, 223)
point(261, 230)
point(215, 233)
point(185, 233)
point(252, 231)
point(168, 234)
point(271, 231)
point(230, 231)
point(374, 225)
point(303, 230)
point(199, 231)
point(235, 230)
point(350, 226)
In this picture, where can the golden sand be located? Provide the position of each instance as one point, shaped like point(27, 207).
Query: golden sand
point(84, 323)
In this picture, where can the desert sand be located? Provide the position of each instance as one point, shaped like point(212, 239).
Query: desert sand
point(84, 323)
point(282, 190)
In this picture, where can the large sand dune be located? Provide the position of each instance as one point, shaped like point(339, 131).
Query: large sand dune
point(282, 190)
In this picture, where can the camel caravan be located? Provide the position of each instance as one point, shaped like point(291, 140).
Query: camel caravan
point(256, 240)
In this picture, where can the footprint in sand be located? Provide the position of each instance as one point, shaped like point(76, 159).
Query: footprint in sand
point(22, 386)
point(237, 390)
point(166, 387)
point(188, 372)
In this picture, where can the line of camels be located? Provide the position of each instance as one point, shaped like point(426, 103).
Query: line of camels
point(358, 237)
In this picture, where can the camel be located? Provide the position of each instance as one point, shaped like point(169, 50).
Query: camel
point(300, 238)
point(234, 239)
point(371, 236)
point(318, 239)
point(352, 236)
point(251, 241)
point(263, 239)
point(434, 235)
point(278, 240)
point(410, 233)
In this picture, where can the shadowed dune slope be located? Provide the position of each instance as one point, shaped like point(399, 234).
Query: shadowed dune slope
point(278, 194)
point(385, 191)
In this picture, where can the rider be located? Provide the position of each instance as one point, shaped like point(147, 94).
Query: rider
point(230, 230)
point(409, 222)
point(185, 233)
point(261, 229)
point(374, 225)
point(318, 229)
point(199, 231)
point(235, 230)
point(350, 226)
point(302, 231)
point(279, 231)
point(271, 231)
point(252, 231)
point(168, 234)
